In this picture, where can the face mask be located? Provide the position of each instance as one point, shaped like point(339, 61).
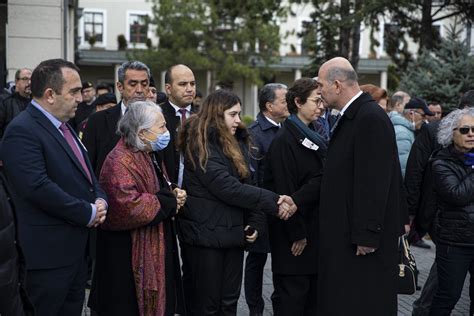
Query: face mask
point(161, 141)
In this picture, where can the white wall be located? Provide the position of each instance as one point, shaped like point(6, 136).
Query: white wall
point(35, 33)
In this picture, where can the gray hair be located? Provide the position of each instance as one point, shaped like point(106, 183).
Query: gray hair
point(267, 94)
point(342, 74)
point(138, 116)
point(133, 64)
point(449, 123)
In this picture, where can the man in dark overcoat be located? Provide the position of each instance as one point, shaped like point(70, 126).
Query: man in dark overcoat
point(360, 221)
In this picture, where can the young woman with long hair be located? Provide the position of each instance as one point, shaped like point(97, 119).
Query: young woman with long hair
point(223, 209)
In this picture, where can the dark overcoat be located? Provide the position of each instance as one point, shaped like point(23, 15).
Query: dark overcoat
point(360, 205)
point(290, 166)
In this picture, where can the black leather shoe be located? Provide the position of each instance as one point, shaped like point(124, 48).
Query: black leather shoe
point(421, 244)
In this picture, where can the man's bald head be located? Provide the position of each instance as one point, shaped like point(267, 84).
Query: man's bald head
point(340, 69)
point(337, 81)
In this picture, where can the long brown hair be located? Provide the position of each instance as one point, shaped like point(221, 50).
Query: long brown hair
point(194, 137)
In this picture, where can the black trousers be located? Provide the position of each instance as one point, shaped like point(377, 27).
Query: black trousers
point(453, 264)
point(58, 291)
point(294, 295)
point(253, 280)
point(215, 279)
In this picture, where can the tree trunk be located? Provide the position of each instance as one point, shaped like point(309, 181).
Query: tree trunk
point(356, 36)
point(345, 30)
point(426, 31)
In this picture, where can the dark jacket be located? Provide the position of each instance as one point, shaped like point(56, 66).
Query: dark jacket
point(11, 107)
point(83, 111)
point(218, 202)
point(290, 166)
point(51, 191)
point(100, 135)
point(262, 132)
point(454, 187)
point(171, 153)
point(360, 205)
point(13, 299)
point(425, 144)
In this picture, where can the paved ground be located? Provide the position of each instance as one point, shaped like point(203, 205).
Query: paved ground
point(424, 259)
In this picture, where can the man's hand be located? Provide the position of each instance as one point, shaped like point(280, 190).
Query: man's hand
point(362, 250)
point(286, 207)
point(101, 212)
point(298, 247)
point(180, 197)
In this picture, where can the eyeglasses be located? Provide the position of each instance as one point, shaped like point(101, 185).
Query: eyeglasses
point(464, 130)
point(315, 100)
point(24, 79)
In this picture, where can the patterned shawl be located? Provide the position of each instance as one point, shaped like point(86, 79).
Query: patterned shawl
point(130, 182)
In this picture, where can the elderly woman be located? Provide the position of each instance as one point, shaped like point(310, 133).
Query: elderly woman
point(294, 160)
point(137, 269)
point(453, 181)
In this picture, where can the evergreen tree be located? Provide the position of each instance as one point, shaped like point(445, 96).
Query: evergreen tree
point(232, 39)
point(443, 74)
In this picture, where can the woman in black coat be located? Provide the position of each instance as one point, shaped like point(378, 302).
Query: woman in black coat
point(453, 181)
point(294, 162)
point(220, 205)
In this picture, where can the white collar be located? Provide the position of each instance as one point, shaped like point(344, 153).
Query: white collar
point(350, 102)
point(123, 107)
point(272, 121)
point(177, 108)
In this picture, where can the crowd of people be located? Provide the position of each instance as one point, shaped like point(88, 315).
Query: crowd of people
point(154, 198)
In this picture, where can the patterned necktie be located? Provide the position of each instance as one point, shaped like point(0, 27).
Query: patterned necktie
point(338, 117)
point(70, 140)
point(183, 115)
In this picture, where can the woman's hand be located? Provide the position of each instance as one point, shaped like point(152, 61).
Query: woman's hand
point(298, 247)
point(180, 197)
point(251, 238)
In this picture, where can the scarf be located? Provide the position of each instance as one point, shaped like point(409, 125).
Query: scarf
point(308, 132)
point(469, 159)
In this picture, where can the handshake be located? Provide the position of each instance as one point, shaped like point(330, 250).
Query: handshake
point(287, 207)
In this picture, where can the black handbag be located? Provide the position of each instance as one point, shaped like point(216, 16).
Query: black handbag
point(407, 271)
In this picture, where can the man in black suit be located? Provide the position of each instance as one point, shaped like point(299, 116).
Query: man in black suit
point(360, 219)
point(56, 194)
point(180, 88)
point(100, 135)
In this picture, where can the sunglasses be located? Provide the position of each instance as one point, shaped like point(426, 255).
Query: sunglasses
point(464, 130)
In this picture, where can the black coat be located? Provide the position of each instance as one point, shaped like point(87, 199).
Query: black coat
point(289, 168)
point(360, 203)
point(100, 135)
point(219, 205)
point(13, 299)
point(454, 186)
point(262, 133)
point(425, 144)
point(83, 111)
point(11, 107)
point(171, 152)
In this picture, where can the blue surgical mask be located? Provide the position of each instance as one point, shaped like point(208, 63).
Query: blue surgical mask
point(161, 141)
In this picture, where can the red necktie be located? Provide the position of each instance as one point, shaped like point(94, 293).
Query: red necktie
point(183, 115)
point(70, 140)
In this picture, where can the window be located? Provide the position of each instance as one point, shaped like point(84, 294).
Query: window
point(94, 26)
point(138, 28)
